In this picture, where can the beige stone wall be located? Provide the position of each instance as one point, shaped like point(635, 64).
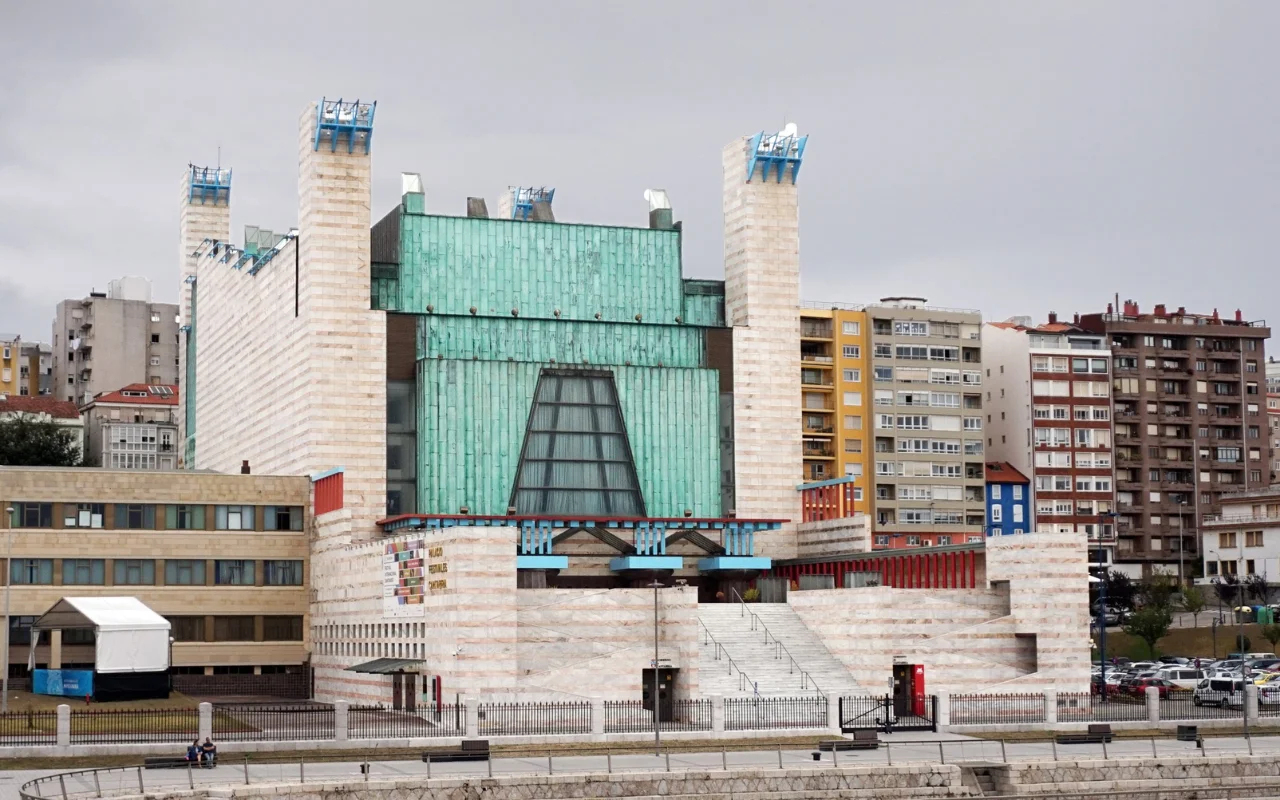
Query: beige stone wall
point(57, 485)
point(584, 642)
point(833, 537)
point(762, 296)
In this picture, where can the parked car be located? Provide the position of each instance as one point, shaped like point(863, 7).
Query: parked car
point(1181, 676)
point(1222, 692)
point(1162, 685)
point(1264, 664)
point(1177, 660)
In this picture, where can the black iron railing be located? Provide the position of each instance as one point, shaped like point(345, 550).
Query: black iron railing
point(1085, 707)
point(245, 723)
point(1210, 705)
point(630, 716)
point(533, 719)
point(770, 713)
point(28, 727)
point(380, 722)
point(139, 725)
point(996, 709)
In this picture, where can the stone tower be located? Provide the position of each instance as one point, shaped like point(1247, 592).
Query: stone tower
point(762, 298)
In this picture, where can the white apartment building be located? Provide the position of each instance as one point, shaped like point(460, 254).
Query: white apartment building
point(1244, 539)
point(135, 427)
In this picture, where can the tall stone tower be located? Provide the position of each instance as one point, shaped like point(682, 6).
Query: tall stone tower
point(204, 219)
point(762, 299)
point(345, 389)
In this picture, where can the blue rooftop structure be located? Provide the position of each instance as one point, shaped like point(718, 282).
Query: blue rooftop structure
point(523, 198)
point(209, 185)
point(775, 153)
point(352, 119)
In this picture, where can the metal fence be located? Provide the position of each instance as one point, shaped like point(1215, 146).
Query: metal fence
point(630, 716)
point(767, 713)
point(380, 722)
point(138, 725)
point(534, 719)
point(1268, 709)
point(1086, 707)
point(29, 727)
point(251, 723)
point(1182, 705)
point(997, 709)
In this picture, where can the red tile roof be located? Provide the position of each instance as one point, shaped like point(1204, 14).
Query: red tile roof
point(1004, 472)
point(40, 404)
point(153, 398)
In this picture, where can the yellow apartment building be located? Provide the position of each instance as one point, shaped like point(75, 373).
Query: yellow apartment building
point(834, 397)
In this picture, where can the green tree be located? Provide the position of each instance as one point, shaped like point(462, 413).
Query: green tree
point(1193, 602)
point(1120, 591)
point(1157, 591)
point(1150, 624)
point(1272, 634)
point(1256, 586)
point(27, 442)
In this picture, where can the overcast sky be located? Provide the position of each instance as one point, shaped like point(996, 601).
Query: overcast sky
point(1017, 157)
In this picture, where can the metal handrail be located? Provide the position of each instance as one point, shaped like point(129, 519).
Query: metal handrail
point(743, 679)
point(780, 648)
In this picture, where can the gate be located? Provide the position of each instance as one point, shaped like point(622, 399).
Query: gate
point(877, 714)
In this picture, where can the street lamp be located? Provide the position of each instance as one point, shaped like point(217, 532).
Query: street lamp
point(8, 625)
point(1182, 542)
point(1102, 608)
point(657, 727)
point(1244, 662)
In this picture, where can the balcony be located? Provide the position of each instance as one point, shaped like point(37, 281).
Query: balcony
point(813, 377)
point(819, 449)
point(815, 329)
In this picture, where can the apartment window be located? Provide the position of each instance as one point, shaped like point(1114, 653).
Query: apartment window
point(134, 572)
point(31, 571)
point(853, 398)
point(944, 399)
point(973, 423)
point(1251, 366)
point(852, 446)
point(852, 375)
point(84, 572)
point(282, 573)
point(184, 518)
point(852, 422)
point(227, 572)
point(913, 352)
point(851, 351)
point(910, 328)
point(944, 353)
point(1255, 476)
point(885, 421)
point(913, 422)
point(1080, 365)
point(882, 540)
point(233, 518)
point(282, 629)
point(233, 629)
point(186, 629)
point(32, 515)
point(184, 572)
point(1227, 540)
point(83, 515)
point(282, 518)
point(883, 374)
point(996, 514)
point(135, 517)
point(851, 328)
point(884, 351)
point(995, 491)
point(1253, 538)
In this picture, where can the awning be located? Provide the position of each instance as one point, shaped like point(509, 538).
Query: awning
point(386, 666)
point(130, 637)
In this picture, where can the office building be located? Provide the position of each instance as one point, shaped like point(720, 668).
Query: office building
point(223, 557)
point(135, 427)
point(1050, 417)
point(1190, 424)
point(112, 339)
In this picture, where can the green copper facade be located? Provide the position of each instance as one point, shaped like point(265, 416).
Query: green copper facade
point(584, 297)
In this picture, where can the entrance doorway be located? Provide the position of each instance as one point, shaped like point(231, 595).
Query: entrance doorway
point(666, 692)
point(902, 690)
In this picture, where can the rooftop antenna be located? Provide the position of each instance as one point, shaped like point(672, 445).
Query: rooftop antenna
point(219, 156)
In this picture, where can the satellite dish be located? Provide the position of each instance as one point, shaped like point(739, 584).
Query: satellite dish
point(790, 129)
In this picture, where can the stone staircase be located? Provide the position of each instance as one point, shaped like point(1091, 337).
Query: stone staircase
point(768, 673)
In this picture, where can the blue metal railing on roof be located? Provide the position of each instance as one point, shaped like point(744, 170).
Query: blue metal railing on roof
point(775, 152)
point(352, 118)
point(209, 184)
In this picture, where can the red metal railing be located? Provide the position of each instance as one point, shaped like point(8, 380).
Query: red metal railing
point(827, 500)
point(326, 492)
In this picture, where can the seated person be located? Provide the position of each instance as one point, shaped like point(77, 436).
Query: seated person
point(193, 752)
point(209, 751)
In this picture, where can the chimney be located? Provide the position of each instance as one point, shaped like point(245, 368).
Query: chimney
point(1076, 319)
point(476, 207)
point(1182, 311)
point(1215, 315)
point(244, 467)
point(1239, 315)
point(1160, 310)
point(1053, 317)
point(659, 209)
point(1130, 308)
point(1110, 309)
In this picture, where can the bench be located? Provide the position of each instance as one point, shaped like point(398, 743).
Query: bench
point(167, 762)
point(862, 740)
point(1094, 735)
point(470, 750)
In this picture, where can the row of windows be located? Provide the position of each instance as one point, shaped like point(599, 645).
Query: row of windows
point(1081, 366)
point(140, 516)
point(1080, 413)
point(948, 377)
point(939, 540)
point(1080, 460)
point(240, 628)
point(997, 514)
point(142, 572)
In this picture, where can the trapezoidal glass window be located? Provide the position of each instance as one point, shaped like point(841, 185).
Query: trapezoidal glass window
point(576, 458)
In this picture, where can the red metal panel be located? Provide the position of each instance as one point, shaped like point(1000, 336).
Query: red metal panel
point(973, 570)
point(327, 494)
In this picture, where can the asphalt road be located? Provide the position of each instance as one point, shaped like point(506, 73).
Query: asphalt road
point(900, 749)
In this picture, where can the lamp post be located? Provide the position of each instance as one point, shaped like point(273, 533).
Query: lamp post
point(1102, 609)
point(657, 727)
point(1182, 526)
point(1244, 662)
point(8, 625)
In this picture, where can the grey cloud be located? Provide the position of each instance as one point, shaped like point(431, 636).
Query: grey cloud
point(1010, 156)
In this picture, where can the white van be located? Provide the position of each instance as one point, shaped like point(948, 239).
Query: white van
point(1219, 692)
point(1180, 676)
